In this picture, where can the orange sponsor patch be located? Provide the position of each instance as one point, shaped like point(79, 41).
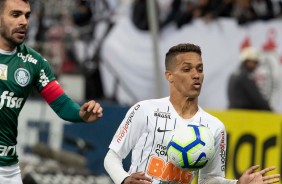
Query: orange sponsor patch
point(158, 168)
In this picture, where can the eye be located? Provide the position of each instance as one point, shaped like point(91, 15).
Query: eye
point(15, 14)
point(27, 16)
point(200, 69)
point(186, 69)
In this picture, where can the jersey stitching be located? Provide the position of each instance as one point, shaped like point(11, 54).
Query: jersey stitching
point(153, 142)
point(165, 125)
point(143, 146)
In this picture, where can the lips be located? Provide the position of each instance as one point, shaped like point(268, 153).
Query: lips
point(197, 85)
point(21, 33)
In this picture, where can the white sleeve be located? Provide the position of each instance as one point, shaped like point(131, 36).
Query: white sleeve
point(114, 167)
point(130, 130)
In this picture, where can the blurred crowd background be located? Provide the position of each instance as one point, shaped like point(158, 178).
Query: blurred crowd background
point(70, 33)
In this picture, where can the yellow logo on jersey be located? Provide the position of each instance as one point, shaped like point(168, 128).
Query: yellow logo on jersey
point(3, 72)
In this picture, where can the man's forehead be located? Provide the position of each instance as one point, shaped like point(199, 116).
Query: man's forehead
point(17, 5)
point(189, 58)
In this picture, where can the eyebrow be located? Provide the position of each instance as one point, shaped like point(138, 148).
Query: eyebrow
point(20, 12)
point(188, 63)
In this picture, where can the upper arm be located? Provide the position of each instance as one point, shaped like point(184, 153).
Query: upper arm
point(129, 131)
point(44, 74)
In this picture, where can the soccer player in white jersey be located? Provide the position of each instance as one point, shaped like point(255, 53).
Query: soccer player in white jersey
point(145, 130)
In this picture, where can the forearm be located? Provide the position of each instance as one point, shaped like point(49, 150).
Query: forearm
point(66, 109)
point(114, 167)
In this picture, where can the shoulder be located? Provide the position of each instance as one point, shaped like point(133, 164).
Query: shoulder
point(151, 105)
point(238, 73)
point(27, 50)
point(29, 54)
point(212, 120)
point(154, 102)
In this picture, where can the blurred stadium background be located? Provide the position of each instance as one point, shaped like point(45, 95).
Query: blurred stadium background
point(113, 51)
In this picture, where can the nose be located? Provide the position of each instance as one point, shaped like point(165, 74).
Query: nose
point(23, 21)
point(195, 74)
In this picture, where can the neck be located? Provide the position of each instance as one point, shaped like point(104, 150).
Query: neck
point(5, 46)
point(184, 106)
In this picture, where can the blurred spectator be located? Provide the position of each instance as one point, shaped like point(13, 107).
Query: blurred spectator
point(83, 15)
point(85, 47)
point(280, 7)
point(268, 75)
point(82, 18)
point(277, 8)
point(206, 9)
point(225, 8)
point(244, 12)
point(139, 14)
point(181, 12)
point(243, 92)
point(184, 11)
point(174, 12)
point(263, 9)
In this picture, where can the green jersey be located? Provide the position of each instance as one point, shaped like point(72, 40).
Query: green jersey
point(20, 70)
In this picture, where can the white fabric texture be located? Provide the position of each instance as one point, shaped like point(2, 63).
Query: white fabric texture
point(10, 174)
point(113, 165)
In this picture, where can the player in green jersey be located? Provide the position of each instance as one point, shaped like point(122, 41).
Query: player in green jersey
point(21, 68)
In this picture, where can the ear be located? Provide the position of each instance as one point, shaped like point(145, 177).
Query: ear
point(169, 76)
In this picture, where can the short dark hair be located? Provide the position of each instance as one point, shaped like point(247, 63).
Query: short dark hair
point(180, 48)
point(2, 4)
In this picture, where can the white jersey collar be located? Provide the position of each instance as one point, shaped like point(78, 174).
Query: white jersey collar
point(195, 119)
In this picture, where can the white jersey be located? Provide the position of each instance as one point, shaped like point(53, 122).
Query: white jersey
point(145, 130)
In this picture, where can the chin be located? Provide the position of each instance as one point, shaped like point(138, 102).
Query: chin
point(18, 40)
point(193, 96)
point(17, 43)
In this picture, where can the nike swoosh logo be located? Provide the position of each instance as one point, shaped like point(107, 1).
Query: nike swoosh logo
point(159, 130)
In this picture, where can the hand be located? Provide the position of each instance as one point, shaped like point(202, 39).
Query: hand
point(137, 178)
point(252, 177)
point(91, 111)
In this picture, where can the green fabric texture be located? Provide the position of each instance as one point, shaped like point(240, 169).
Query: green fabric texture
point(66, 109)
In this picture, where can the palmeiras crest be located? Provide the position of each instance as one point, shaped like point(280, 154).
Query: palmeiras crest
point(22, 77)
